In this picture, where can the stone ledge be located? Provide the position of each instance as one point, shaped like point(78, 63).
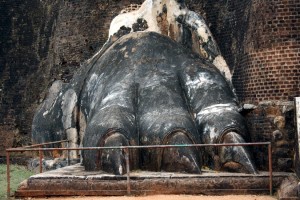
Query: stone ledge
point(73, 180)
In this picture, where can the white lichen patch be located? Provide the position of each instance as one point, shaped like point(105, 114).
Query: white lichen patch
point(94, 89)
point(128, 19)
point(217, 108)
point(202, 81)
point(52, 96)
point(82, 126)
point(72, 136)
point(67, 106)
point(120, 169)
point(176, 13)
point(221, 64)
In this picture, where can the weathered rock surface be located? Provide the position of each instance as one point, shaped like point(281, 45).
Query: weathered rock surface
point(289, 188)
point(146, 89)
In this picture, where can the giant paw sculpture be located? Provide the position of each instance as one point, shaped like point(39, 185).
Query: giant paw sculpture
point(144, 88)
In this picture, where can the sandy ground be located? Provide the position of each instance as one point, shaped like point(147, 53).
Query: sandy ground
point(169, 197)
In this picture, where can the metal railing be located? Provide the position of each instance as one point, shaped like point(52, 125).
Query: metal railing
point(126, 150)
point(30, 148)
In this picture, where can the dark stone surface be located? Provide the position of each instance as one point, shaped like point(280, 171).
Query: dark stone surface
point(273, 121)
point(40, 42)
point(146, 89)
point(25, 34)
point(289, 188)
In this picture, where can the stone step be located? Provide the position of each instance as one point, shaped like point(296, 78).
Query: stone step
point(74, 180)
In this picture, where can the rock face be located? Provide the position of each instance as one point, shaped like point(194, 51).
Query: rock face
point(43, 41)
point(289, 188)
point(25, 33)
point(146, 89)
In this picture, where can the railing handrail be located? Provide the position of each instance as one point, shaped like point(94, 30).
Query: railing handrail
point(42, 144)
point(126, 149)
point(138, 147)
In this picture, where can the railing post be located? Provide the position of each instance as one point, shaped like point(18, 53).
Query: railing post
point(128, 170)
point(41, 160)
point(270, 168)
point(8, 173)
point(127, 157)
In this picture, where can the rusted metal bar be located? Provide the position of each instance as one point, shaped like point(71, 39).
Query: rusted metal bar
point(126, 149)
point(8, 173)
point(140, 147)
point(46, 143)
point(128, 170)
point(41, 160)
point(270, 168)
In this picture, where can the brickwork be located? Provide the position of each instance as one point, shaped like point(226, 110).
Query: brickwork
point(273, 122)
point(272, 73)
point(269, 67)
point(260, 42)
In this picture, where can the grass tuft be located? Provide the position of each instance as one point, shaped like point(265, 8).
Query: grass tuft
point(18, 173)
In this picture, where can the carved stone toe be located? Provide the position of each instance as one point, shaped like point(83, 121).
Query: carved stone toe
point(236, 158)
point(181, 159)
point(113, 160)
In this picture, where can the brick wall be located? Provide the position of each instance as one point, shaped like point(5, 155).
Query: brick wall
point(269, 66)
point(260, 42)
point(267, 74)
point(273, 122)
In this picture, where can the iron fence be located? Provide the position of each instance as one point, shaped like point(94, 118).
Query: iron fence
point(126, 151)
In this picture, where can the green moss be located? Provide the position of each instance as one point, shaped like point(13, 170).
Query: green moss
point(17, 173)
